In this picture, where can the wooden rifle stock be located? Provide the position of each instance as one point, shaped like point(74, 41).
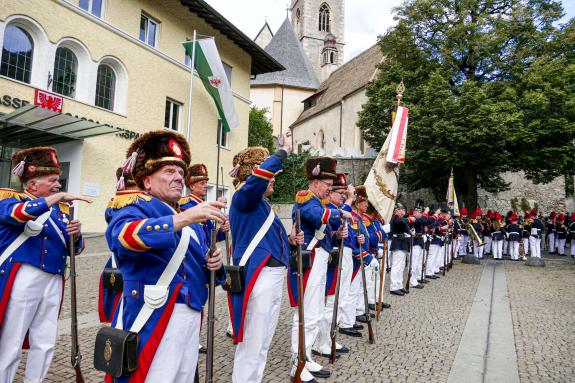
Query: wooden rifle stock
point(371, 337)
point(333, 330)
point(211, 314)
point(410, 260)
point(301, 356)
point(76, 355)
point(381, 281)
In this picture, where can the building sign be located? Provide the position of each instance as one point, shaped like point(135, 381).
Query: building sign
point(91, 189)
point(47, 100)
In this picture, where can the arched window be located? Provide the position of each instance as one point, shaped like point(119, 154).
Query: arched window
point(17, 54)
point(324, 18)
point(105, 87)
point(65, 72)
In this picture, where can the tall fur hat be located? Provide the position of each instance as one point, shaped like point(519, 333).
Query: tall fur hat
point(464, 212)
point(156, 149)
point(318, 168)
point(360, 194)
point(340, 182)
point(246, 161)
point(553, 215)
point(478, 212)
point(34, 162)
point(128, 179)
point(561, 217)
point(196, 173)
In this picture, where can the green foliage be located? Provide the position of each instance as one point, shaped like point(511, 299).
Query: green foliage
point(569, 185)
point(260, 129)
point(291, 180)
point(490, 88)
point(525, 206)
point(514, 204)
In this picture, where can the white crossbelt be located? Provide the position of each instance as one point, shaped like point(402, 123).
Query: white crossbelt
point(318, 233)
point(23, 237)
point(163, 282)
point(257, 238)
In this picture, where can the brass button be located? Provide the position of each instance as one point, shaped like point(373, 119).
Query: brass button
point(149, 228)
point(134, 293)
point(157, 227)
point(1, 272)
point(185, 277)
point(165, 226)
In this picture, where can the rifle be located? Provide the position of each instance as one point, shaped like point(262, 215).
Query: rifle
point(452, 247)
point(228, 258)
point(381, 280)
point(211, 313)
point(445, 256)
point(363, 279)
point(301, 355)
point(409, 260)
point(76, 355)
point(424, 258)
point(333, 330)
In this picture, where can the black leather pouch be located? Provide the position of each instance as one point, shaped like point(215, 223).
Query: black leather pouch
point(333, 258)
point(112, 279)
point(116, 351)
point(235, 279)
point(305, 258)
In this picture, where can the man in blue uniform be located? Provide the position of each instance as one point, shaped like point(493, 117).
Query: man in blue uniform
point(463, 233)
point(377, 238)
point(561, 234)
point(197, 183)
point(262, 247)
point(340, 197)
point(572, 234)
point(163, 257)
point(419, 226)
point(35, 228)
point(513, 234)
point(537, 228)
point(316, 221)
point(400, 247)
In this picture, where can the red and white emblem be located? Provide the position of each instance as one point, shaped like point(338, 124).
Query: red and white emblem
point(215, 81)
point(176, 148)
point(47, 100)
point(54, 158)
point(203, 170)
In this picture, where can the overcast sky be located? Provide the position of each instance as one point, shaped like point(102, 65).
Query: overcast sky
point(364, 19)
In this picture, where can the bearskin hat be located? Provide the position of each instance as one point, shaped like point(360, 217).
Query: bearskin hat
point(360, 194)
point(473, 215)
point(573, 217)
point(245, 161)
point(527, 215)
point(196, 173)
point(561, 217)
point(398, 206)
point(156, 149)
point(34, 162)
point(464, 212)
point(498, 216)
point(318, 168)
point(489, 214)
point(478, 212)
point(513, 218)
point(340, 182)
point(410, 212)
point(533, 212)
point(553, 215)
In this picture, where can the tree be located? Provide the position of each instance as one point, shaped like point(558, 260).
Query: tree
point(292, 179)
point(489, 87)
point(260, 129)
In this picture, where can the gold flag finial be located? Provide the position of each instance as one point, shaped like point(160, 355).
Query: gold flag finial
point(400, 89)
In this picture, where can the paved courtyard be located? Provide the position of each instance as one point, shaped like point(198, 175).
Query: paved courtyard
point(418, 340)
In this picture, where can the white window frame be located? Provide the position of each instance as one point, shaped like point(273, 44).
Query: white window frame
point(90, 9)
point(179, 122)
point(212, 191)
point(220, 136)
point(150, 19)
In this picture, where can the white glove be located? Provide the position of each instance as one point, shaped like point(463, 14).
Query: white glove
point(380, 252)
point(374, 264)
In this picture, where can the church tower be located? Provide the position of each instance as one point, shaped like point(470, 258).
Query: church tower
point(320, 27)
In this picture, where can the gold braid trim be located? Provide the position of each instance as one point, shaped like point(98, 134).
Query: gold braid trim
point(122, 200)
point(64, 208)
point(303, 196)
point(10, 193)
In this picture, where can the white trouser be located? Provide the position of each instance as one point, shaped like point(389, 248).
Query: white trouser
point(560, 245)
point(33, 307)
point(514, 250)
point(377, 277)
point(260, 321)
point(497, 247)
point(487, 247)
point(552, 243)
point(505, 245)
point(416, 259)
point(314, 301)
point(463, 245)
point(478, 250)
point(525, 245)
point(439, 258)
point(397, 267)
point(370, 276)
point(177, 355)
point(535, 246)
point(323, 341)
point(359, 298)
point(431, 259)
point(349, 303)
point(573, 247)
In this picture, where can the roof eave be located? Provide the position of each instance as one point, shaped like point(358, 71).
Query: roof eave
point(262, 62)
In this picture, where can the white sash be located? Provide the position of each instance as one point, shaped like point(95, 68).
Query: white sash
point(257, 238)
point(23, 237)
point(318, 233)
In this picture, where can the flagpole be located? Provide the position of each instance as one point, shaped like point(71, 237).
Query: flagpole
point(193, 60)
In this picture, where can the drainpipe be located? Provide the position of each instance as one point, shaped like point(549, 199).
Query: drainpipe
point(340, 123)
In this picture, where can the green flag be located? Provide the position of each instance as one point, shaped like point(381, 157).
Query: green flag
point(211, 71)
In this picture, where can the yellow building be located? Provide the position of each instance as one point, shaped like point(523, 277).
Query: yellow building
point(117, 66)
